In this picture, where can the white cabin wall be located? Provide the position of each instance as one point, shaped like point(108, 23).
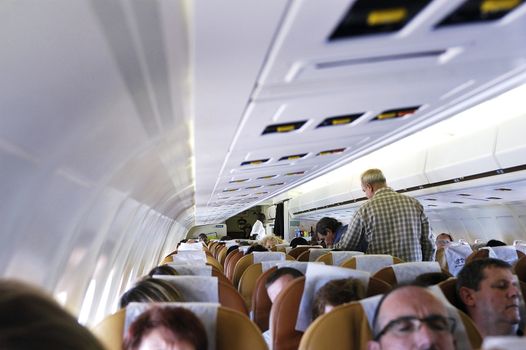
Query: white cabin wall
point(95, 155)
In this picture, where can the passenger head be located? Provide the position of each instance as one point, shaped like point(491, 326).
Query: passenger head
point(495, 243)
point(279, 279)
point(372, 180)
point(151, 290)
point(410, 317)
point(443, 240)
point(32, 320)
point(326, 230)
point(490, 294)
point(270, 241)
point(336, 292)
point(431, 278)
point(163, 270)
point(203, 238)
point(261, 217)
point(256, 248)
point(231, 249)
point(170, 328)
point(298, 241)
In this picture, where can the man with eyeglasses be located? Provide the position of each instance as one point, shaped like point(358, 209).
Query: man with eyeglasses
point(411, 317)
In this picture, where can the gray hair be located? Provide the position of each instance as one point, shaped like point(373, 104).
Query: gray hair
point(373, 176)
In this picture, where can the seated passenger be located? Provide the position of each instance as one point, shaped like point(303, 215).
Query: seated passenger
point(298, 241)
point(173, 328)
point(151, 289)
point(256, 248)
point(231, 249)
point(490, 294)
point(279, 279)
point(443, 240)
point(330, 231)
point(495, 243)
point(430, 278)
point(30, 319)
point(270, 241)
point(163, 270)
point(410, 317)
point(203, 238)
point(336, 292)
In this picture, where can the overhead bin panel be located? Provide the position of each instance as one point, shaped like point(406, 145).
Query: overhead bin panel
point(511, 144)
point(476, 11)
point(462, 156)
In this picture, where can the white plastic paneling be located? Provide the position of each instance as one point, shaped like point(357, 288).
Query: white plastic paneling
point(511, 144)
point(461, 156)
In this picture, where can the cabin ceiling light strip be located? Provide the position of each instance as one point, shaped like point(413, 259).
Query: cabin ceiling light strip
point(367, 17)
point(293, 157)
point(283, 128)
point(331, 152)
point(340, 120)
point(473, 11)
point(255, 162)
point(396, 113)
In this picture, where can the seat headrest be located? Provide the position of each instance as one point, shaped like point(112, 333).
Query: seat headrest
point(318, 275)
point(190, 270)
point(267, 256)
point(407, 272)
point(195, 288)
point(373, 263)
point(315, 253)
point(339, 257)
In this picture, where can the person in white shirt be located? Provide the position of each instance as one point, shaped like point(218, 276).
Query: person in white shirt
point(258, 228)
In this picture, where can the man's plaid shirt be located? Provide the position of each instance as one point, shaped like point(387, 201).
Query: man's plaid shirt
point(392, 224)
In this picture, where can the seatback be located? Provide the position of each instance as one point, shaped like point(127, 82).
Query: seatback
point(261, 303)
point(283, 316)
point(407, 272)
point(284, 312)
point(371, 263)
point(230, 297)
point(228, 258)
point(221, 254)
point(296, 251)
point(312, 254)
point(520, 269)
point(496, 252)
point(345, 327)
point(213, 262)
point(234, 331)
point(231, 264)
point(336, 257)
point(248, 281)
point(249, 259)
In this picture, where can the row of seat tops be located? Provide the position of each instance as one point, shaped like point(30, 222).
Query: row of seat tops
point(453, 257)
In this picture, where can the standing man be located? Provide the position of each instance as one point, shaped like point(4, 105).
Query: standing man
point(389, 222)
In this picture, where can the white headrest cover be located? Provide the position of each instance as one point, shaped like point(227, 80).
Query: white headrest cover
point(317, 276)
point(506, 253)
point(339, 257)
point(373, 263)
point(206, 312)
point(201, 270)
point(195, 288)
point(456, 255)
point(186, 255)
point(268, 256)
point(316, 253)
point(407, 272)
point(190, 246)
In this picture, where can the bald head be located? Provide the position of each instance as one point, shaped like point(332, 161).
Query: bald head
point(411, 318)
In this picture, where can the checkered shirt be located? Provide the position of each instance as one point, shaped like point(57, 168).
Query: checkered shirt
point(392, 224)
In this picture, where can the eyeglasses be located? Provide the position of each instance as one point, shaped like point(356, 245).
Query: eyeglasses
point(404, 326)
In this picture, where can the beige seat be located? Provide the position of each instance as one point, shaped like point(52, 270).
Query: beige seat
point(230, 264)
point(221, 255)
point(373, 262)
point(234, 331)
point(295, 252)
point(520, 269)
point(261, 304)
point(242, 264)
point(248, 281)
point(284, 312)
point(329, 258)
point(388, 274)
point(350, 324)
point(485, 253)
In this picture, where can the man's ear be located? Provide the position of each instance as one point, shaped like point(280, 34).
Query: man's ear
point(373, 345)
point(467, 296)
